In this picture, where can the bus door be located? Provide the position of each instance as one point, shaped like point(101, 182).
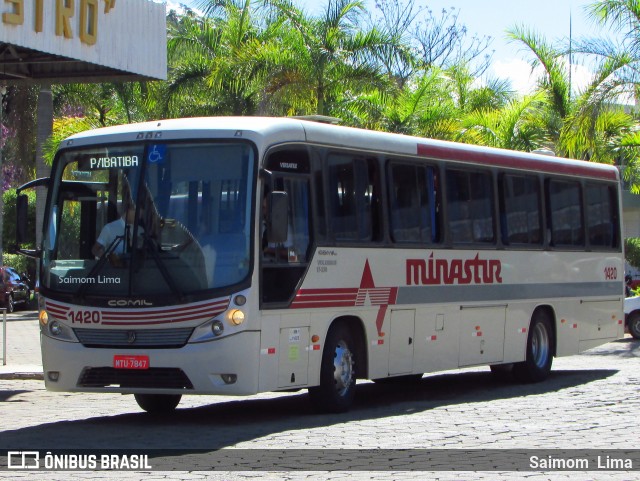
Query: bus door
point(284, 263)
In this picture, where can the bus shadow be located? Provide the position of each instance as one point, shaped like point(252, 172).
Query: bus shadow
point(623, 348)
point(226, 424)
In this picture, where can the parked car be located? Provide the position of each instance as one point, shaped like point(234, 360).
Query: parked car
point(14, 290)
point(632, 315)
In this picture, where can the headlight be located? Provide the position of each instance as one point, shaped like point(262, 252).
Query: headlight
point(217, 328)
point(55, 329)
point(236, 317)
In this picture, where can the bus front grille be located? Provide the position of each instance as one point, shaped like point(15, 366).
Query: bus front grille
point(155, 377)
point(134, 338)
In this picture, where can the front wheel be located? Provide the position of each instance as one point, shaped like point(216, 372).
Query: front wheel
point(634, 325)
point(11, 306)
point(337, 373)
point(537, 364)
point(158, 403)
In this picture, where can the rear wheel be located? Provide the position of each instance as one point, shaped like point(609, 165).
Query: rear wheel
point(158, 403)
point(537, 364)
point(634, 325)
point(337, 373)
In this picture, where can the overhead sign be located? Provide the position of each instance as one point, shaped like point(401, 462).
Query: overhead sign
point(66, 39)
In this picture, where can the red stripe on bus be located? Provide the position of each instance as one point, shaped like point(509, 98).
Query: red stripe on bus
point(161, 314)
point(312, 305)
point(150, 322)
point(319, 297)
point(349, 290)
point(186, 310)
point(505, 159)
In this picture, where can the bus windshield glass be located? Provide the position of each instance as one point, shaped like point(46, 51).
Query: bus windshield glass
point(150, 219)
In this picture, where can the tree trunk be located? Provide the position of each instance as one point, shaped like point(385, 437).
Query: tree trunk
point(44, 129)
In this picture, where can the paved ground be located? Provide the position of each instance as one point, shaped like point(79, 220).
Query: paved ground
point(590, 402)
point(22, 345)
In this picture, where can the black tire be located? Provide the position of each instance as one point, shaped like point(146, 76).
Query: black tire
point(633, 324)
point(540, 346)
point(337, 387)
point(158, 403)
point(11, 306)
point(395, 380)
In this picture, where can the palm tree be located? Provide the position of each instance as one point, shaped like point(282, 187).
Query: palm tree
point(423, 107)
point(334, 59)
point(516, 125)
point(577, 122)
point(218, 60)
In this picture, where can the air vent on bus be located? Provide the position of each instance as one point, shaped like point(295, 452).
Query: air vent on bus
point(132, 338)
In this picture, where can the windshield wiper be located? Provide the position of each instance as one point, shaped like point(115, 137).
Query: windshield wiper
point(97, 268)
point(149, 246)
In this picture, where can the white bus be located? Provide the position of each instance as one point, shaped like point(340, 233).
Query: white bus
point(278, 254)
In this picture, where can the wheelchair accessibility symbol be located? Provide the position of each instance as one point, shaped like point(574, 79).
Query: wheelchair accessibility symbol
point(157, 154)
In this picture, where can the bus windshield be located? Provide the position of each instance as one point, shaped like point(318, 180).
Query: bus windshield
point(149, 219)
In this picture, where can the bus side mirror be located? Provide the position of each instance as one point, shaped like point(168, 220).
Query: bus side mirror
point(22, 209)
point(278, 220)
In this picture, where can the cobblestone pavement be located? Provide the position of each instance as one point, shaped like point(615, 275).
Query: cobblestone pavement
point(590, 401)
point(22, 345)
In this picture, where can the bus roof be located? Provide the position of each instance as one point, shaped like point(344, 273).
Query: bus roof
point(281, 130)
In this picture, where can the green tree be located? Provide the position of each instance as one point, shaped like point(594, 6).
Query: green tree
point(583, 124)
point(217, 61)
point(335, 59)
point(514, 126)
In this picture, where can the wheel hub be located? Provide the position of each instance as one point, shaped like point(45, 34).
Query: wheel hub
point(342, 368)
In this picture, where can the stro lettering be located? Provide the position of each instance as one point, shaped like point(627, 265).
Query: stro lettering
point(86, 11)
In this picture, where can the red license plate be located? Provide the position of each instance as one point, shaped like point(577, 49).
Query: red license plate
point(130, 362)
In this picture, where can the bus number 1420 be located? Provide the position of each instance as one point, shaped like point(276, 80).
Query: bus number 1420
point(611, 273)
point(85, 317)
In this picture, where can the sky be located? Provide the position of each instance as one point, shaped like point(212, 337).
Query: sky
point(550, 18)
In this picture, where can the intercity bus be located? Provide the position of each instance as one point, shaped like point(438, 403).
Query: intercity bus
point(280, 254)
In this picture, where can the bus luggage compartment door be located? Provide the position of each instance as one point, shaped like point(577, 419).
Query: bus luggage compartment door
point(293, 360)
point(401, 341)
point(481, 334)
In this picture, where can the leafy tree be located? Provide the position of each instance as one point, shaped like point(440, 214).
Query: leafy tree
point(632, 251)
point(586, 124)
point(514, 126)
point(335, 58)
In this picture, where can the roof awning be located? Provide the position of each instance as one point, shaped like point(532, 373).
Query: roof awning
point(91, 41)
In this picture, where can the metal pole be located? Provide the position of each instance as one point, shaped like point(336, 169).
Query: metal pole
point(4, 337)
point(3, 91)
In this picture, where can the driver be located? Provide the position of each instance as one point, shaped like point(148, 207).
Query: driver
point(121, 227)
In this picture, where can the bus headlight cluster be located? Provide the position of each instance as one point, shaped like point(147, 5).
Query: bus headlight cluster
point(55, 329)
point(215, 328)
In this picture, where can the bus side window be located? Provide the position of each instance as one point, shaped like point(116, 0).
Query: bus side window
point(353, 192)
point(470, 206)
point(413, 203)
point(601, 206)
point(521, 220)
point(565, 209)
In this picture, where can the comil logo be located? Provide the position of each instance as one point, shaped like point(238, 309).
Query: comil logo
point(23, 460)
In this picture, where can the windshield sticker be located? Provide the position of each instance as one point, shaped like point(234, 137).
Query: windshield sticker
point(157, 154)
